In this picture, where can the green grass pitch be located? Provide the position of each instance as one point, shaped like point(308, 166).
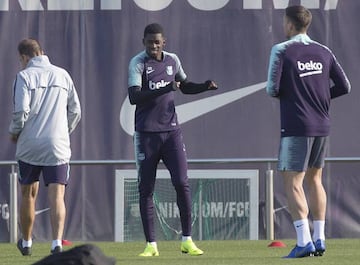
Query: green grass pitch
point(227, 252)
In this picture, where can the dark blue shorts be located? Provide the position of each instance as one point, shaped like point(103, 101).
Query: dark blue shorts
point(300, 153)
point(29, 174)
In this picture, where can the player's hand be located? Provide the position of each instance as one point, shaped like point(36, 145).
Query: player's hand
point(176, 85)
point(211, 85)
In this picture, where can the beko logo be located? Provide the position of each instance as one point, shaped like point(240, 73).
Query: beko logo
point(41, 5)
point(311, 68)
point(157, 85)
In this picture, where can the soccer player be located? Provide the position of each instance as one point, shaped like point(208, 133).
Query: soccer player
point(299, 75)
point(46, 111)
point(154, 75)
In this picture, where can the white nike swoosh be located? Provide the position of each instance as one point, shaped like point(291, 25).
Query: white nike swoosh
point(41, 211)
point(185, 112)
point(149, 71)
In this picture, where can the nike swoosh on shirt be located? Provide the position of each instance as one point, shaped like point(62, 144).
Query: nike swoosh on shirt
point(191, 110)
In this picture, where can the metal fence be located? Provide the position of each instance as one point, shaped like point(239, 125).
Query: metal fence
point(270, 162)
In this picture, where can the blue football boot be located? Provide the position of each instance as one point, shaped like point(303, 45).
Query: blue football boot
point(300, 252)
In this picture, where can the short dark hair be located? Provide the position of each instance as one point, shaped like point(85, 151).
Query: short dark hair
point(153, 28)
point(29, 47)
point(300, 16)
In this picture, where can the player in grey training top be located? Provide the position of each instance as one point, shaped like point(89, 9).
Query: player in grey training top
point(300, 71)
point(154, 75)
point(46, 111)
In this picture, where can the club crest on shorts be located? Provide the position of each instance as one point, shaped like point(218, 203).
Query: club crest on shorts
point(141, 156)
point(169, 70)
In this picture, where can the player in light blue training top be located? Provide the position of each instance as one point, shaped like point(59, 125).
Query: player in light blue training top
point(300, 75)
point(154, 76)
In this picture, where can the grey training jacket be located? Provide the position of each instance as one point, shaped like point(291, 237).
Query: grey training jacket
point(46, 111)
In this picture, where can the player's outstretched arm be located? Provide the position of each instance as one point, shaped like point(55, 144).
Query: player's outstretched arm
point(138, 96)
point(195, 88)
